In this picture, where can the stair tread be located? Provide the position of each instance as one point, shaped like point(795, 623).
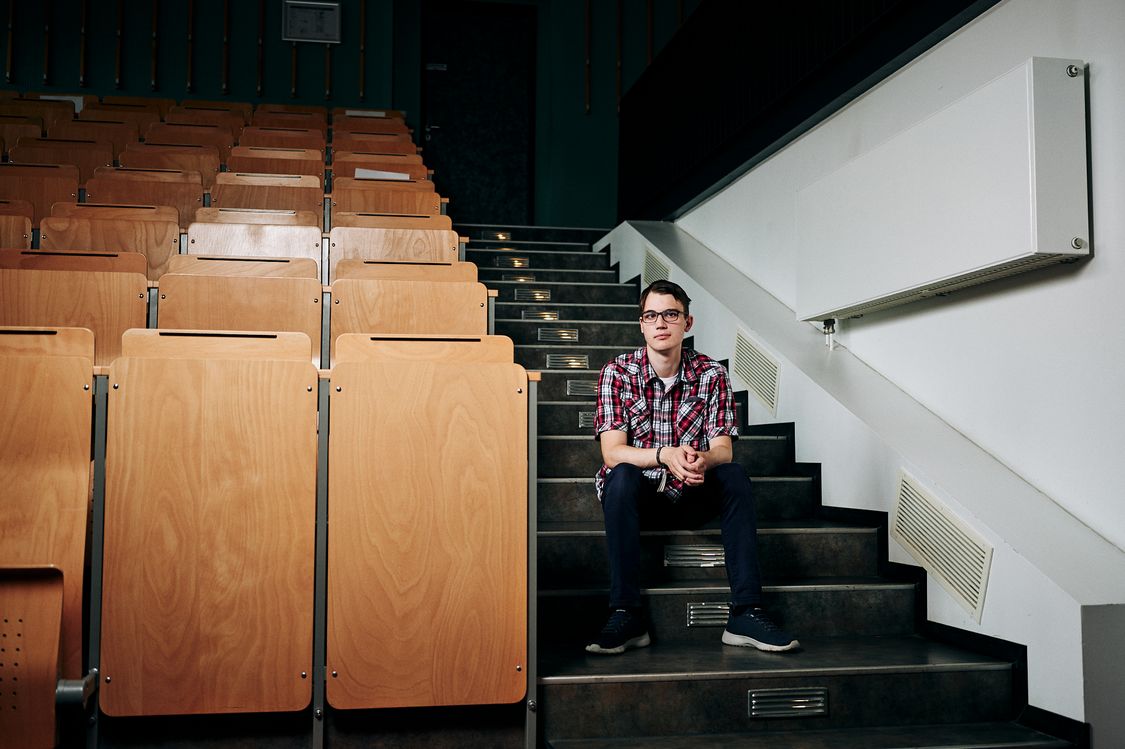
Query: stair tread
point(679, 587)
point(966, 735)
point(817, 656)
point(804, 525)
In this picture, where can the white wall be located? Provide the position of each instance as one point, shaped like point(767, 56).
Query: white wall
point(1031, 369)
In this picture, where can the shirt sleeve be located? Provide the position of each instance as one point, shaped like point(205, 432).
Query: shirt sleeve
point(610, 413)
point(721, 419)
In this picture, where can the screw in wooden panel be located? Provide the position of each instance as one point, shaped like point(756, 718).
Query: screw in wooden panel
point(1073, 71)
point(85, 387)
point(335, 301)
point(316, 301)
point(309, 388)
point(334, 674)
point(140, 296)
point(519, 390)
point(519, 667)
point(304, 675)
point(115, 386)
point(163, 296)
point(338, 389)
point(107, 680)
point(1077, 243)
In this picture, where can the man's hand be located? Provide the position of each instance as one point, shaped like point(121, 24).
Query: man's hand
point(686, 463)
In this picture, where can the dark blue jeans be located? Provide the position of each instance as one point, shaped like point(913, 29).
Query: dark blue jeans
point(630, 501)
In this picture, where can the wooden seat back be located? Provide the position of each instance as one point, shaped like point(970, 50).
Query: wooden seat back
point(110, 262)
point(107, 303)
point(299, 108)
point(181, 190)
point(297, 120)
point(282, 137)
point(275, 191)
point(220, 265)
point(222, 487)
point(406, 271)
point(140, 116)
point(148, 102)
point(51, 112)
point(277, 160)
point(373, 113)
point(15, 223)
point(31, 599)
point(13, 127)
point(384, 196)
point(257, 216)
point(390, 220)
point(184, 157)
point(167, 133)
point(444, 528)
point(414, 245)
point(45, 460)
point(384, 125)
point(87, 155)
point(246, 109)
point(375, 142)
point(116, 210)
point(232, 120)
point(118, 133)
point(158, 240)
point(41, 185)
point(257, 240)
point(344, 164)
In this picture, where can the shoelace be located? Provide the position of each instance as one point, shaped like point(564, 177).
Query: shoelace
point(616, 622)
point(760, 617)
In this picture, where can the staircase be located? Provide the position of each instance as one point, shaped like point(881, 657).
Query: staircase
point(865, 676)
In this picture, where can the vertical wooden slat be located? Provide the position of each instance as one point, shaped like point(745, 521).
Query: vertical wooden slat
point(362, 49)
point(293, 73)
point(589, 53)
point(83, 11)
point(620, 45)
point(46, 41)
point(120, 41)
point(261, 42)
point(11, 40)
point(226, 48)
point(190, 34)
point(327, 71)
point(155, 26)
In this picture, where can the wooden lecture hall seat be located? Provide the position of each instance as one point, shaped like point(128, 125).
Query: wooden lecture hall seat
point(15, 223)
point(282, 137)
point(92, 260)
point(364, 243)
point(265, 160)
point(258, 216)
point(117, 133)
point(14, 127)
point(344, 164)
point(385, 196)
point(228, 265)
point(157, 238)
point(185, 157)
point(385, 125)
point(87, 155)
point(42, 185)
point(373, 220)
point(375, 142)
point(172, 187)
point(202, 135)
point(256, 240)
point(139, 116)
point(275, 191)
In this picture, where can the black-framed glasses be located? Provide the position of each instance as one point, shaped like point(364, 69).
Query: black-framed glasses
point(670, 315)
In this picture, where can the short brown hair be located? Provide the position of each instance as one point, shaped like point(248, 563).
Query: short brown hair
point(663, 286)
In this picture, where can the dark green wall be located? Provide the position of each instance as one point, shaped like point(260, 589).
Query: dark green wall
point(575, 150)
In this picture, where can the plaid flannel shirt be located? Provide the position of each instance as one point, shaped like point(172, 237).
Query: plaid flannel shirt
point(698, 407)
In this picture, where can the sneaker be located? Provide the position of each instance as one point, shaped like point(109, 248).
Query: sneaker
point(752, 628)
point(623, 631)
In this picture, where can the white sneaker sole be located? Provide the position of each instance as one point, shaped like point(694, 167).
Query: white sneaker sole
point(742, 641)
point(637, 642)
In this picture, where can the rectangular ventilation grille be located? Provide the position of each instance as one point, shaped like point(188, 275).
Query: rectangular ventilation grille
point(568, 361)
point(547, 314)
point(798, 702)
point(521, 277)
point(707, 614)
point(654, 269)
point(533, 295)
point(957, 557)
point(757, 369)
point(582, 387)
point(585, 419)
point(511, 261)
point(706, 555)
point(558, 335)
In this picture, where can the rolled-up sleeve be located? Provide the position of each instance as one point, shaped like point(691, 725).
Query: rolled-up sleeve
point(721, 419)
point(610, 413)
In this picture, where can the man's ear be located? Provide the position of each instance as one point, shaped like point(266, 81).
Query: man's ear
point(687, 323)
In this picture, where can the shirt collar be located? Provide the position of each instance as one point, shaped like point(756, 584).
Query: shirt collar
point(689, 372)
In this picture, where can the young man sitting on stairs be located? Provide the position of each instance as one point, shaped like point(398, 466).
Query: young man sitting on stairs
point(666, 424)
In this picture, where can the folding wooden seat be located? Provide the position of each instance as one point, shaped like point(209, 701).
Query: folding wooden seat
point(344, 164)
point(385, 125)
point(157, 240)
point(109, 262)
point(45, 471)
point(87, 155)
point(153, 102)
point(384, 196)
point(181, 190)
point(293, 120)
point(282, 137)
point(431, 543)
point(134, 114)
point(245, 108)
point(405, 271)
point(404, 245)
point(116, 211)
point(51, 112)
point(254, 240)
point(197, 115)
point(276, 191)
point(260, 160)
point(77, 100)
point(373, 142)
point(297, 108)
point(210, 521)
point(202, 135)
point(41, 185)
point(15, 223)
point(185, 157)
point(31, 598)
point(257, 216)
point(371, 220)
point(12, 128)
point(219, 265)
point(117, 132)
point(374, 113)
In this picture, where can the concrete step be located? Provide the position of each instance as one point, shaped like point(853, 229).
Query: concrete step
point(535, 257)
point(488, 276)
point(590, 293)
point(555, 311)
point(564, 236)
point(544, 356)
point(624, 334)
point(580, 456)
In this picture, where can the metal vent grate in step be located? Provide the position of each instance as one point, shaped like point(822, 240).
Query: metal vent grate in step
point(798, 702)
point(556, 335)
point(521, 277)
point(585, 419)
point(757, 369)
point(533, 295)
point(704, 555)
point(511, 261)
point(950, 550)
point(547, 314)
point(581, 387)
point(707, 614)
point(654, 269)
point(568, 361)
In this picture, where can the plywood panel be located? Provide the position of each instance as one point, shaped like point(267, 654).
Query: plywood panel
point(288, 267)
point(116, 132)
point(32, 602)
point(181, 190)
point(427, 560)
point(406, 271)
point(277, 160)
point(264, 240)
point(141, 117)
point(109, 262)
point(51, 112)
point(374, 142)
point(185, 157)
point(156, 103)
point(246, 109)
point(383, 196)
point(489, 348)
point(344, 164)
point(244, 302)
point(45, 462)
point(229, 344)
point(294, 120)
point(13, 128)
point(385, 125)
point(416, 245)
point(391, 220)
point(204, 135)
point(299, 108)
point(158, 240)
point(15, 231)
point(368, 112)
point(258, 216)
point(87, 155)
point(282, 137)
point(285, 192)
point(106, 303)
point(196, 115)
point(40, 185)
point(16, 207)
point(210, 520)
point(116, 211)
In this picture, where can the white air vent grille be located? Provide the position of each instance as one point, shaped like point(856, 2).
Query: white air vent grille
point(757, 369)
point(951, 551)
point(655, 269)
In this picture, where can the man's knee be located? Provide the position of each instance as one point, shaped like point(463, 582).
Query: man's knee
point(732, 478)
point(624, 478)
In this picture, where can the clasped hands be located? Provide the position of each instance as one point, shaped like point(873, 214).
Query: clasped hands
point(685, 463)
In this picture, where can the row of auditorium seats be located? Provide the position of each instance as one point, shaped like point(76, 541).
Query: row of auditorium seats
point(182, 287)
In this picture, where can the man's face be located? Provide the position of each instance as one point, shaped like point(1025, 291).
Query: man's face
point(663, 335)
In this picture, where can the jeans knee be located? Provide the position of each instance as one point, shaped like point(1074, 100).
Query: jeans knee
point(623, 482)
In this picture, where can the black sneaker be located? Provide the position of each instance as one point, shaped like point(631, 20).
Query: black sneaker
point(624, 630)
point(751, 628)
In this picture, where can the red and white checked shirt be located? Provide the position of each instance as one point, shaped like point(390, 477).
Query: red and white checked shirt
point(698, 407)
